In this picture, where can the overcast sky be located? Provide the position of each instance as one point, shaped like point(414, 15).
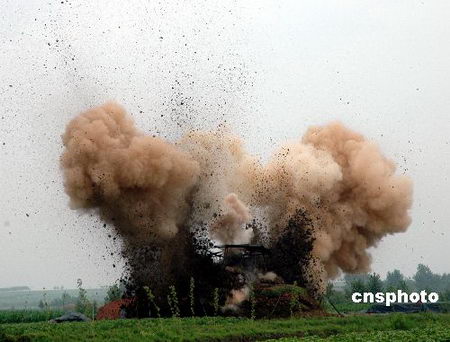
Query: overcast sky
point(269, 69)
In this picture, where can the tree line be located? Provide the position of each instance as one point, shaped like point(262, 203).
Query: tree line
point(423, 279)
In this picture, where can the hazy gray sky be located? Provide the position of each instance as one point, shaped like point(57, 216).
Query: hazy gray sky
point(269, 68)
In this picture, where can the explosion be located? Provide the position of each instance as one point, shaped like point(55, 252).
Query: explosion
point(320, 202)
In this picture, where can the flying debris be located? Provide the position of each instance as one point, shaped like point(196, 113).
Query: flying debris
point(312, 211)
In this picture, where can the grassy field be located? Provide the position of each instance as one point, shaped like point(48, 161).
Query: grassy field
point(423, 327)
point(431, 333)
point(347, 307)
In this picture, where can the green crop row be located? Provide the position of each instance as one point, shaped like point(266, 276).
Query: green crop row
point(28, 316)
point(432, 333)
point(231, 329)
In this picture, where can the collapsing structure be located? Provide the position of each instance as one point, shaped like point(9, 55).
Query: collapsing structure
point(248, 256)
point(276, 276)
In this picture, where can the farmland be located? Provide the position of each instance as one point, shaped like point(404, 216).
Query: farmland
point(28, 316)
point(29, 299)
point(414, 327)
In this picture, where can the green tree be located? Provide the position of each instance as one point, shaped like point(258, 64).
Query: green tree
point(445, 295)
point(358, 286)
point(349, 278)
point(355, 283)
point(82, 305)
point(114, 293)
point(330, 292)
point(393, 279)
point(425, 279)
point(172, 300)
point(151, 298)
point(403, 285)
point(375, 284)
point(93, 309)
point(191, 295)
point(66, 299)
point(336, 296)
point(215, 302)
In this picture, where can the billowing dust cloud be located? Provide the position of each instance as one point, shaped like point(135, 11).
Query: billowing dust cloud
point(109, 164)
point(205, 185)
point(228, 229)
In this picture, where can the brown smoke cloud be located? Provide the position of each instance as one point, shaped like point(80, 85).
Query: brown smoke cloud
point(228, 229)
point(138, 181)
point(348, 188)
point(153, 190)
point(236, 297)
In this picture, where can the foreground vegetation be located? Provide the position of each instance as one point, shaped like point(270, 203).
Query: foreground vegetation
point(47, 299)
point(350, 328)
point(432, 333)
point(28, 316)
